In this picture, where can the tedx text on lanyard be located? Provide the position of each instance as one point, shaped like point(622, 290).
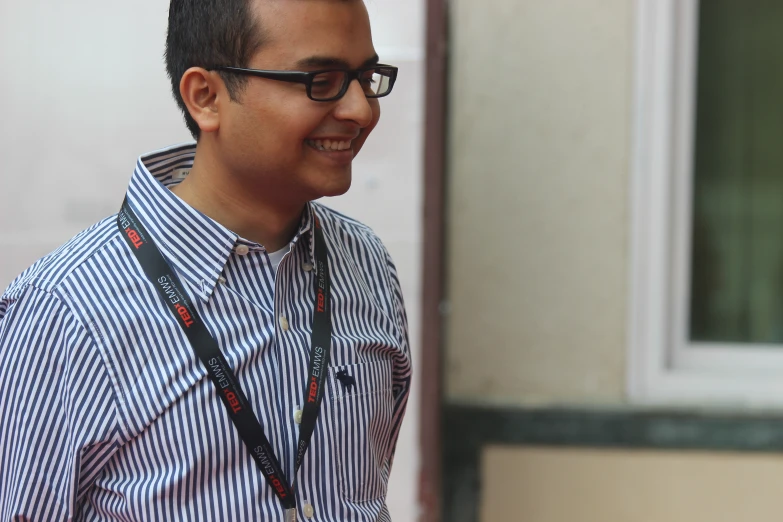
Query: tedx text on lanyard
point(170, 288)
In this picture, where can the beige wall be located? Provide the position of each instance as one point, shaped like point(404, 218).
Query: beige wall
point(564, 485)
point(537, 203)
point(537, 253)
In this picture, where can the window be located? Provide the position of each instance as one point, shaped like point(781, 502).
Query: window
point(706, 322)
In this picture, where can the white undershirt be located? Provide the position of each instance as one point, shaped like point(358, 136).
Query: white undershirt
point(276, 257)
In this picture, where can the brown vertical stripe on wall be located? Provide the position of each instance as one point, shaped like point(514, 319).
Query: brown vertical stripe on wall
point(430, 371)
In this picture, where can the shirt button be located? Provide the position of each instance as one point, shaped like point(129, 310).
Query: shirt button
point(242, 250)
point(307, 267)
point(298, 416)
point(222, 280)
point(309, 511)
point(284, 323)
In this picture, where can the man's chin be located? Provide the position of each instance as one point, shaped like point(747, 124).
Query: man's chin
point(334, 182)
point(331, 189)
point(337, 190)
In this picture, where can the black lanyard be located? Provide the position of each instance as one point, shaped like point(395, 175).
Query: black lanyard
point(206, 348)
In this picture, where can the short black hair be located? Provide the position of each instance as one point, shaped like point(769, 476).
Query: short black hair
point(210, 33)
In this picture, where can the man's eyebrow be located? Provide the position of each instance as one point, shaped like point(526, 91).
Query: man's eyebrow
point(327, 61)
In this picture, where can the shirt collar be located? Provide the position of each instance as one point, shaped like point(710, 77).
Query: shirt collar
point(197, 245)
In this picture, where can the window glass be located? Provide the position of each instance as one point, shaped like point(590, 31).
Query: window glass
point(737, 242)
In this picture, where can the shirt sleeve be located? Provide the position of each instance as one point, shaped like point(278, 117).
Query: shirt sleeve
point(58, 416)
point(401, 378)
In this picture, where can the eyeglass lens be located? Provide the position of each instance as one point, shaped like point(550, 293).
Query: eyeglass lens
point(329, 84)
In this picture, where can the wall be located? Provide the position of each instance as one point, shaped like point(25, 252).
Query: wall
point(85, 92)
point(537, 202)
point(539, 484)
point(537, 271)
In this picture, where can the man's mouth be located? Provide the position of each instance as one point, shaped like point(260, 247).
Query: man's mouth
point(329, 145)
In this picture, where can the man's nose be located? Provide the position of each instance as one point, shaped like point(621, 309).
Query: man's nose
point(354, 105)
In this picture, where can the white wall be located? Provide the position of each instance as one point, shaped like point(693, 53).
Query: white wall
point(84, 93)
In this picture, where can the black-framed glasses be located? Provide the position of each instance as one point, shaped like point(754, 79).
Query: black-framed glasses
point(331, 84)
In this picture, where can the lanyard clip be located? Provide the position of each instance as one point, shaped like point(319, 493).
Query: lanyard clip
point(290, 515)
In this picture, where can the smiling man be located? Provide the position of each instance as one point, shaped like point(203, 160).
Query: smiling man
point(223, 348)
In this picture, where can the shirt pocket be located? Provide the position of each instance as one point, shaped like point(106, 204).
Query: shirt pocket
point(362, 404)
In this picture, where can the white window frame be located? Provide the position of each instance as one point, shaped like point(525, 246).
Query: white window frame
point(664, 367)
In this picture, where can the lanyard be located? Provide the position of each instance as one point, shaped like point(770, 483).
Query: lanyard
point(207, 350)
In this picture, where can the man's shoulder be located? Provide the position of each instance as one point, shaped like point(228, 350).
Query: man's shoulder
point(346, 228)
point(49, 272)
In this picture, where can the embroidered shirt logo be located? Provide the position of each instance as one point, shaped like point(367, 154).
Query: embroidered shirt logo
point(348, 381)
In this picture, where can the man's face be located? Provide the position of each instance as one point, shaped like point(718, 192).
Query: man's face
point(271, 137)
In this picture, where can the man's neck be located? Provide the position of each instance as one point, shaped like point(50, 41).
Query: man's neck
point(257, 217)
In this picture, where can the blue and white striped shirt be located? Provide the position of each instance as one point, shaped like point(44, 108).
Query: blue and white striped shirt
point(106, 414)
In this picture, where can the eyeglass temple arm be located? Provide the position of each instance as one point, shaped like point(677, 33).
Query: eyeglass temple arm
point(285, 76)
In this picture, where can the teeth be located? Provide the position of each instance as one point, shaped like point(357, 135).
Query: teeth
point(329, 145)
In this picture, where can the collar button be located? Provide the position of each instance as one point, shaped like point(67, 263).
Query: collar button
point(242, 250)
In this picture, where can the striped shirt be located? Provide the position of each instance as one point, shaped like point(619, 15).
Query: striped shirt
point(107, 414)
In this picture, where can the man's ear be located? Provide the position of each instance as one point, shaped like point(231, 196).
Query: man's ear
point(201, 91)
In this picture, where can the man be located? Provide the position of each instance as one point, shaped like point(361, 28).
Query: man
point(223, 348)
